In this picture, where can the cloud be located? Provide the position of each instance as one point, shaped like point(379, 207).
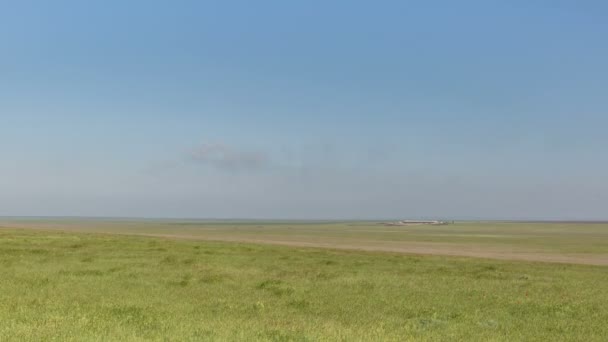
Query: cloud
point(228, 157)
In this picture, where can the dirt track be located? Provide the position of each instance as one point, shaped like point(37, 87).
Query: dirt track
point(404, 247)
point(414, 248)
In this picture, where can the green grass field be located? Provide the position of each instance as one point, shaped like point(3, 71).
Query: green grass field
point(556, 242)
point(78, 280)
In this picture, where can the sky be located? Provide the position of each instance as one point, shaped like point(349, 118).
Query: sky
point(304, 110)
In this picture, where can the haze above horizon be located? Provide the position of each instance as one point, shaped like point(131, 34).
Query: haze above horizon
point(314, 110)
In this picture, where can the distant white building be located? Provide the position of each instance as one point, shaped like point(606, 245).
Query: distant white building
point(414, 223)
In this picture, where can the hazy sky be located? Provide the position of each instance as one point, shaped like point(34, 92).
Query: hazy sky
point(307, 109)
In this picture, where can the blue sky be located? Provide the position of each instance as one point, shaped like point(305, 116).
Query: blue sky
point(316, 109)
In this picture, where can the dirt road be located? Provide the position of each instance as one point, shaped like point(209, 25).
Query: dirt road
point(405, 247)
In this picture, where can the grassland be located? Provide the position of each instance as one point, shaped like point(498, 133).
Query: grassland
point(80, 281)
point(582, 243)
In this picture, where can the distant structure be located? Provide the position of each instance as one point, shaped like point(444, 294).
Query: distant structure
point(415, 223)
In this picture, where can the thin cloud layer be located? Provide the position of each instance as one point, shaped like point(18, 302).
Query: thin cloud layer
point(227, 157)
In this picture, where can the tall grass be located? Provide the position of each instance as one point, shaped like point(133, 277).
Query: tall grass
point(75, 286)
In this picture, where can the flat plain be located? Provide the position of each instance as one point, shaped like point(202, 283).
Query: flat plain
point(93, 279)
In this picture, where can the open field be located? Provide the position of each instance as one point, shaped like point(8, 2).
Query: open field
point(72, 280)
point(581, 243)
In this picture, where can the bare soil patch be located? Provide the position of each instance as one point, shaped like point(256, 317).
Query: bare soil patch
point(440, 249)
point(405, 247)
